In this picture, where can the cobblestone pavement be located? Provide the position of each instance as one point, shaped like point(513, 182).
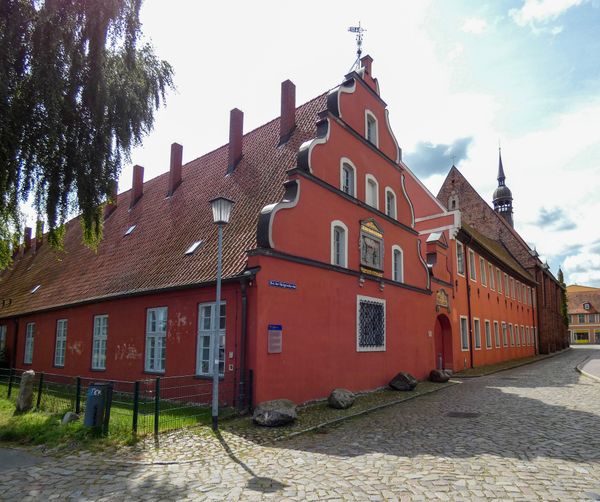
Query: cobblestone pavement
point(531, 433)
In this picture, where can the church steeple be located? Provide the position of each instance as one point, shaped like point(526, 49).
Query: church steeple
point(503, 195)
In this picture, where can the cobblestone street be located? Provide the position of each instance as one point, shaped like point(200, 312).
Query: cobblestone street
point(531, 433)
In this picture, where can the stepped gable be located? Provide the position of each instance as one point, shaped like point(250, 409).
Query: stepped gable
point(152, 257)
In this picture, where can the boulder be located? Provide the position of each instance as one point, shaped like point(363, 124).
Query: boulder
point(439, 376)
point(69, 417)
point(449, 373)
point(341, 399)
point(403, 381)
point(25, 397)
point(275, 413)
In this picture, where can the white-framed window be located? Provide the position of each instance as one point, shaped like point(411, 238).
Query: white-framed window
point(370, 324)
point(511, 334)
point(339, 244)
point(390, 203)
point(371, 191)
point(504, 335)
point(512, 289)
point(528, 335)
point(99, 342)
point(488, 334)
point(29, 341)
point(533, 297)
point(581, 318)
point(371, 128)
point(587, 306)
point(347, 177)
point(460, 258)
point(60, 347)
point(496, 334)
point(156, 339)
point(477, 333)
point(464, 333)
point(2, 337)
point(528, 295)
point(472, 268)
point(518, 288)
point(397, 264)
point(523, 339)
point(506, 286)
point(483, 271)
point(206, 324)
point(491, 275)
point(499, 281)
point(517, 338)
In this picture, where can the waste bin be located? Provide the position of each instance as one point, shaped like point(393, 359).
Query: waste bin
point(97, 405)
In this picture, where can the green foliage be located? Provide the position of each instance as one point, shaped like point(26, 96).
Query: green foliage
point(564, 301)
point(77, 92)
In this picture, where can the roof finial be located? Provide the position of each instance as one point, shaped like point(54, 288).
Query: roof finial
point(359, 30)
point(501, 176)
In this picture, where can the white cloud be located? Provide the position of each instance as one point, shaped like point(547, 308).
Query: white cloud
point(541, 11)
point(474, 25)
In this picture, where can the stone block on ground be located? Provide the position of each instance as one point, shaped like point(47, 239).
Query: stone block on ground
point(25, 397)
point(439, 376)
point(341, 399)
point(403, 381)
point(69, 417)
point(274, 413)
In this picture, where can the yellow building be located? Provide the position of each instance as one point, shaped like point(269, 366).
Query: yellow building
point(584, 314)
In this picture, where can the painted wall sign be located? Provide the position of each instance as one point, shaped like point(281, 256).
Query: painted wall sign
point(281, 284)
point(275, 339)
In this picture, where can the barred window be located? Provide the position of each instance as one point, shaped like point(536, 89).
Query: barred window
point(370, 324)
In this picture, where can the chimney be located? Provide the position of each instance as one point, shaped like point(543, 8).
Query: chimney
point(236, 131)
point(39, 235)
point(175, 169)
point(27, 238)
point(366, 62)
point(111, 204)
point(287, 122)
point(137, 188)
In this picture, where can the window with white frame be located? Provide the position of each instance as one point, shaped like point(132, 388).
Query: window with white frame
point(496, 334)
point(528, 335)
point(504, 335)
point(372, 191)
point(512, 289)
point(506, 286)
point(517, 338)
point(339, 244)
point(499, 281)
point(491, 275)
point(156, 339)
point(528, 295)
point(472, 268)
point(511, 334)
point(488, 335)
point(60, 347)
point(523, 340)
point(398, 264)
point(518, 288)
point(464, 333)
point(390, 203)
point(477, 333)
point(581, 318)
point(99, 342)
point(206, 324)
point(533, 297)
point(460, 258)
point(2, 337)
point(483, 271)
point(348, 178)
point(371, 132)
point(370, 324)
point(29, 341)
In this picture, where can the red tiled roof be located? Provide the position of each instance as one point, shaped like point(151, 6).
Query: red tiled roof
point(578, 295)
point(152, 256)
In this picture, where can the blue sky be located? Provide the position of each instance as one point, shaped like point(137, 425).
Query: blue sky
point(458, 77)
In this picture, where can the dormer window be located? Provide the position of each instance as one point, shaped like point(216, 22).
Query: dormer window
point(586, 306)
point(192, 249)
point(371, 132)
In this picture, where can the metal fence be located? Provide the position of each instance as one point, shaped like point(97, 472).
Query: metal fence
point(139, 407)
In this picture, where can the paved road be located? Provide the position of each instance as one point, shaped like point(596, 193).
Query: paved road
point(532, 433)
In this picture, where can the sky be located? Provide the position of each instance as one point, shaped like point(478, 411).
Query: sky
point(459, 78)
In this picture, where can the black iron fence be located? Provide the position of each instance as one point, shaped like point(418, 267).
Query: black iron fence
point(139, 407)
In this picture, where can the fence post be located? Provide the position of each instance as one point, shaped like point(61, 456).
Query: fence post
point(136, 406)
point(39, 393)
point(11, 376)
point(107, 408)
point(156, 405)
point(78, 395)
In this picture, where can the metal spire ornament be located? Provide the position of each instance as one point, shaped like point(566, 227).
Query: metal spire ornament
point(359, 30)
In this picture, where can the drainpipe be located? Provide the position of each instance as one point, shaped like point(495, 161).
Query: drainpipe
point(468, 277)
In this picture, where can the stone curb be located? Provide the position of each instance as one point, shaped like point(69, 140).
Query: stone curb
point(538, 360)
point(579, 368)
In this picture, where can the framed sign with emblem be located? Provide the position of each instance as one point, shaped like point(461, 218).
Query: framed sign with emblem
point(371, 248)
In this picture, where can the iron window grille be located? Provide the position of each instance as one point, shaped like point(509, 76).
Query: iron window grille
point(370, 324)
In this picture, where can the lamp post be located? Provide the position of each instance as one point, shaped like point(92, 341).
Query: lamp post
point(221, 209)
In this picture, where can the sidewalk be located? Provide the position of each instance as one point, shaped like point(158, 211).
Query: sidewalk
point(590, 368)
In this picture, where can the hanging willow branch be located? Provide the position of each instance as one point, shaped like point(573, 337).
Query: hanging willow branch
point(77, 92)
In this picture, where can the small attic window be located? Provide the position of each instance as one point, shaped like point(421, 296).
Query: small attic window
point(35, 288)
point(129, 230)
point(586, 306)
point(193, 247)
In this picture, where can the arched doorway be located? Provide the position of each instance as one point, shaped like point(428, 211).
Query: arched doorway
point(442, 339)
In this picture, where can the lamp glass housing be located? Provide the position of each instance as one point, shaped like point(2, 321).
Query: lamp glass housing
point(221, 208)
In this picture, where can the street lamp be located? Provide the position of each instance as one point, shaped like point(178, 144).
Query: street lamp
point(221, 208)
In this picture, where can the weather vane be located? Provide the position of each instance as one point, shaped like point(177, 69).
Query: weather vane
point(359, 30)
